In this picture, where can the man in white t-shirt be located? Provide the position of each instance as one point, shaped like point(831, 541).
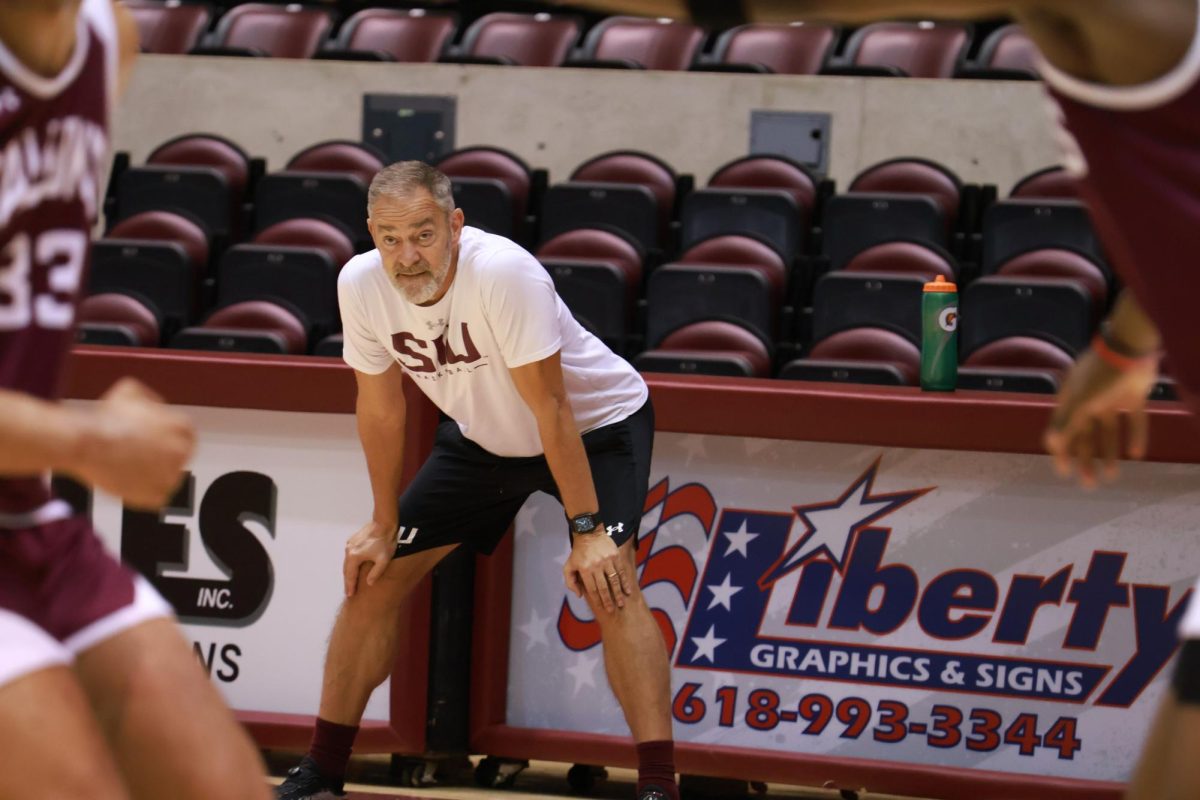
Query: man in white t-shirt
point(535, 402)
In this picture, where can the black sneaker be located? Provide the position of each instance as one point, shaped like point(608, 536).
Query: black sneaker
point(652, 792)
point(304, 782)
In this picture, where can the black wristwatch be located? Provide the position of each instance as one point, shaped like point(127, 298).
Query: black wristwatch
point(586, 523)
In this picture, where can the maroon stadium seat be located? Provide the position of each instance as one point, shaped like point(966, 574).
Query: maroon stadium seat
point(345, 156)
point(526, 40)
point(914, 176)
point(725, 341)
point(132, 322)
point(796, 49)
point(207, 150)
point(642, 169)
point(496, 164)
point(170, 28)
point(601, 245)
point(308, 232)
point(277, 31)
point(870, 345)
point(769, 172)
point(163, 226)
point(1055, 263)
point(904, 257)
point(407, 35)
point(1010, 49)
point(1051, 183)
point(261, 317)
point(917, 49)
point(1021, 352)
point(741, 251)
point(643, 42)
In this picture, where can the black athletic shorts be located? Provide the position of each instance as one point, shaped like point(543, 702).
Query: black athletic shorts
point(465, 495)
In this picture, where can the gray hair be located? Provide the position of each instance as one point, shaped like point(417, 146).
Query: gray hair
point(402, 179)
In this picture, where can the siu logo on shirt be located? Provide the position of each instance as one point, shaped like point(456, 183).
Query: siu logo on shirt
point(431, 359)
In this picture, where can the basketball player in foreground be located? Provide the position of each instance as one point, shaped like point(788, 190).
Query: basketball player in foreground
point(1126, 75)
point(535, 402)
point(100, 696)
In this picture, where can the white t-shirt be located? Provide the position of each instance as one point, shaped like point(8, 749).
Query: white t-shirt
point(500, 312)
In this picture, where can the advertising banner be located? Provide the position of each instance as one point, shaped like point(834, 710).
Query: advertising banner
point(958, 609)
point(250, 551)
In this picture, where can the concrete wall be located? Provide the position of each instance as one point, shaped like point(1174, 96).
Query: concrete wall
point(992, 132)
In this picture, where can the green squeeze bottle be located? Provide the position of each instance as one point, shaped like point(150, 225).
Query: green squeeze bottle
point(939, 336)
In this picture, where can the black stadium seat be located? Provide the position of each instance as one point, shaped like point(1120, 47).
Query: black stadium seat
point(337, 198)
point(770, 215)
point(891, 301)
point(856, 222)
point(628, 208)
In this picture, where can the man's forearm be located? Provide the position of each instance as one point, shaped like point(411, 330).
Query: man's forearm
point(1130, 329)
point(567, 460)
point(36, 436)
point(382, 440)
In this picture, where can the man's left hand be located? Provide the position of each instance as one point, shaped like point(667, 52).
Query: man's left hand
point(595, 567)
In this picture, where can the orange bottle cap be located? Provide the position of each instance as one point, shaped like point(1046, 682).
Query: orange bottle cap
point(940, 284)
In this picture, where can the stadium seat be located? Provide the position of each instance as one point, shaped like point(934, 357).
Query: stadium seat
point(340, 156)
point(330, 346)
point(641, 43)
point(598, 274)
point(867, 355)
point(712, 347)
point(199, 194)
point(798, 48)
point(629, 208)
point(770, 172)
point(679, 294)
point(338, 198)
point(216, 152)
point(1015, 364)
point(504, 209)
point(854, 222)
point(251, 327)
point(909, 258)
point(914, 176)
point(1013, 227)
point(526, 40)
point(170, 28)
point(117, 319)
point(413, 35)
point(163, 226)
point(771, 215)
point(307, 232)
point(909, 49)
point(158, 274)
point(1051, 183)
point(996, 307)
point(302, 280)
point(891, 301)
point(1006, 54)
point(1062, 264)
point(641, 169)
point(264, 29)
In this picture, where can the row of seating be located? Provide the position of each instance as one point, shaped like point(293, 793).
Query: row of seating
point(916, 49)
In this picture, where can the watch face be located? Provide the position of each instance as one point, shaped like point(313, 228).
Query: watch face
point(584, 523)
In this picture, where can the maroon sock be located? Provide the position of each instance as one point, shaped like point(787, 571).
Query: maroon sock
point(330, 748)
point(656, 765)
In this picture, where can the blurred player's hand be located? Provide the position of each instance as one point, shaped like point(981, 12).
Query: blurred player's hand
point(596, 568)
point(134, 446)
point(1085, 426)
point(373, 544)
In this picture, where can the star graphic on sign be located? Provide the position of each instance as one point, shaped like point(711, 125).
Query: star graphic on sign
point(584, 672)
point(739, 539)
point(535, 629)
point(706, 645)
point(723, 593)
point(830, 527)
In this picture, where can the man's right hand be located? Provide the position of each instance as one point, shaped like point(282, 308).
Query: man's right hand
point(134, 446)
point(374, 544)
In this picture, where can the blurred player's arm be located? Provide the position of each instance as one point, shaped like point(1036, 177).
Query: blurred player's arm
point(1110, 380)
point(848, 11)
point(129, 443)
point(380, 413)
point(127, 43)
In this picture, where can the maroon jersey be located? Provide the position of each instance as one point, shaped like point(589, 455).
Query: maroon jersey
point(54, 134)
point(1141, 146)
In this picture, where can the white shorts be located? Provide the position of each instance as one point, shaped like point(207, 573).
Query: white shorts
point(27, 648)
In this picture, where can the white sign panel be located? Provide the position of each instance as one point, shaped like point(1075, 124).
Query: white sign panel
point(251, 556)
point(926, 607)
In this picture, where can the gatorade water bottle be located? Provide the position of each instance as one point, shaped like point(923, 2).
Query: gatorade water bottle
point(939, 336)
